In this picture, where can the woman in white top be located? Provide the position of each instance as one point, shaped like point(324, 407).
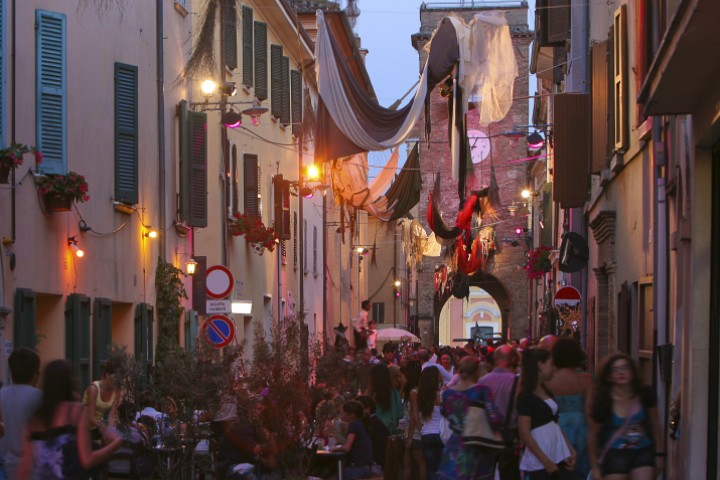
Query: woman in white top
point(428, 409)
point(548, 453)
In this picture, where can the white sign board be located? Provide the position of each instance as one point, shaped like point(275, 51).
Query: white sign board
point(217, 306)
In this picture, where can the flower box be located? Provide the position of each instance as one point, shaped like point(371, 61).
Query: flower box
point(59, 191)
point(12, 157)
point(55, 202)
point(259, 236)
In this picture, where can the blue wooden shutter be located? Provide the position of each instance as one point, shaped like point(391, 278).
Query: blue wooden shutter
point(24, 319)
point(144, 339)
point(51, 94)
point(251, 185)
point(229, 33)
point(193, 166)
point(77, 336)
point(276, 86)
point(102, 334)
point(297, 101)
point(126, 133)
point(261, 61)
point(247, 46)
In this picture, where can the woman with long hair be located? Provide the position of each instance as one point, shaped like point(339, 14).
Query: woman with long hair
point(57, 443)
point(102, 398)
point(388, 406)
point(625, 438)
point(460, 461)
point(571, 386)
point(548, 453)
point(427, 408)
point(414, 461)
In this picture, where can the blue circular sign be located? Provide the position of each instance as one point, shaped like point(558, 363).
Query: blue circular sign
point(219, 330)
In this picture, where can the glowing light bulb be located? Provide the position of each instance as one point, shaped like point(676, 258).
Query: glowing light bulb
point(525, 193)
point(208, 87)
point(79, 252)
point(313, 172)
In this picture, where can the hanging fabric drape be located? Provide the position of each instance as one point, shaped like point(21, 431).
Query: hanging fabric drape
point(404, 193)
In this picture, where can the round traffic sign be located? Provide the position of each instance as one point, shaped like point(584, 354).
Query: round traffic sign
point(218, 281)
point(567, 296)
point(219, 330)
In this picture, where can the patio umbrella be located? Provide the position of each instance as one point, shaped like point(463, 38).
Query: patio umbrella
point(395, 335)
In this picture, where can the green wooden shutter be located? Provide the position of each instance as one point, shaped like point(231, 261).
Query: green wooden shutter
point(261, 61)
point(77, 336)
point(276, 55)
point(191, 329)
point(102, 334)
point(193, 166)
point(297, 101)
point(144, 339)
point(24, 319)
point(285, 79)
point(126, 133)
point(247, 46)
point(251, 185)
point(50, 90)
point(229, 33)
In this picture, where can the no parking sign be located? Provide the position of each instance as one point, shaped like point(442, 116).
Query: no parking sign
point(219, 330)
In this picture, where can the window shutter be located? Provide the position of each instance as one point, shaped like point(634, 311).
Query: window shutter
point(24, 319)
point(611, 92)
point(558, 21)
point(191, 329)
point(599, 57)
point(295, 240)
point(144, 339)
point(251, 185)
point(102, 334)
point(261, 61)
point(126, 133)
point(559, 64)
point(282, 207)
point(315, 245)
point(193, 159)
point(285, 74)
point(199, 294)
point(235, 207)
point(297, 101)
point(229, 35)
point(305, 249)
point(620, 79)
point(247, 45)
point(51, 94)
point(571, 134)
point(276, 55)
point(77, 336)
point(546, 238)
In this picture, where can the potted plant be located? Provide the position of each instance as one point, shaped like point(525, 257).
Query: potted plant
point(538, 262)
point(12, 157)
point(59, 191)
point(256, 233)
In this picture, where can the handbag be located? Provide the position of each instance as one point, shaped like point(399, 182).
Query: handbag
point(445, 431)
point(477, 430)
point(618, 433)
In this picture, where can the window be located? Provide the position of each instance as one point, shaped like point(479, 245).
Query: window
point(193, 166)
point(285, 78)
point(315, 251)
point(261, 61)
point(620, 79)
point(51, 91)
point(247, 45)
point(305, 249)
point(378, 312)
point(276, 53)
point(77, 336)
point(102, 334)
point(296, 88)
point(229, 33)
point(251, 185)
point(283, 252)
point(24, 319)
point(126, 133)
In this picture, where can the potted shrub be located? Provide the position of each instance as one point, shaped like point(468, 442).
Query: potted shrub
point(12, 157)
point(259, 236)
point(59, 191)
point(538, 262)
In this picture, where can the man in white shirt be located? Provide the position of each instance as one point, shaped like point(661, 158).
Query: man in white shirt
point(372, 337)
point(424, 356)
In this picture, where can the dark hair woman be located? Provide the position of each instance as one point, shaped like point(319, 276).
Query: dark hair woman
point(460, 461)
point(571, 386)
point(428, 409)
point(357, 443)
point(57, 445)
point(413, 446)
point(102, 398)
point(625, 431)
point(388, 406)
point(548, 453)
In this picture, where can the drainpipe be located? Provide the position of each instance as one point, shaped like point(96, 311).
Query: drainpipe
point(13, 198)
point(325, 285)
point(159, 41)
point(301, 233)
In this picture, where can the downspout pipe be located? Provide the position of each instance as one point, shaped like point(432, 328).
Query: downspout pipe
point(13, 198)
point(160, 60)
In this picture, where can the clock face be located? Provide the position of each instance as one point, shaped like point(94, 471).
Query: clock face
point(479, 145)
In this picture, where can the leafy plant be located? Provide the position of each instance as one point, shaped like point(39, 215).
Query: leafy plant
point(538, 263)
point(12, 156)
point(169, 291)
point(71, 184)
point(256, 233)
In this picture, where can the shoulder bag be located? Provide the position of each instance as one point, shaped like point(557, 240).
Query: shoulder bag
point(477, 430)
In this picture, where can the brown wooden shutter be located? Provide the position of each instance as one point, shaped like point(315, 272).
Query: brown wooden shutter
point(193, 166)
point(282, 207)
point(285, 74)
point(199, 293)
point(251, 185)
point(261, 61)
point(554, 22)
point(559, 64)
point(229, 34)
point(620, 79)
point(247, 46)
point(572, 149)
point(235, 207)
point(600, 153)
point(276, 86)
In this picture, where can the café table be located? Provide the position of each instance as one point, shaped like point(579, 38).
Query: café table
point(338, 456)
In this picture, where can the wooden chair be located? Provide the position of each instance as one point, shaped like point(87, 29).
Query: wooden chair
point(133, 456)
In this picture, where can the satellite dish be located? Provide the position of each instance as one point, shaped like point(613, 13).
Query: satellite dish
point(574, 253)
